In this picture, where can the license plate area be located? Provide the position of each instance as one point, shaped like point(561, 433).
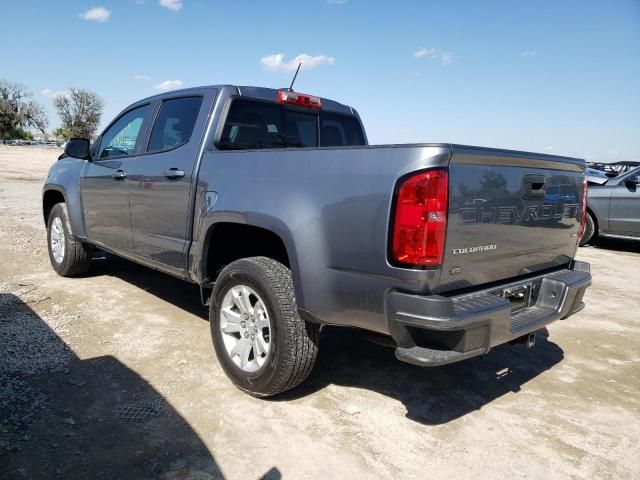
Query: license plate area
point(519, 297)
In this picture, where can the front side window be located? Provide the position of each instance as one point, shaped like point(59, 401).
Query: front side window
point(120, 138)
point(175, 123)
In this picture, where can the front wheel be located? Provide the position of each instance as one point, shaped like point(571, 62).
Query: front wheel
point(263, 345)
point(69, 256)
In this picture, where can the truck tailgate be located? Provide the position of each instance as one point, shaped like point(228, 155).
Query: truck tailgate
point(510, 214)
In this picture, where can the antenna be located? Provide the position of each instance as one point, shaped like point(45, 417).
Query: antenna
point(294, 77)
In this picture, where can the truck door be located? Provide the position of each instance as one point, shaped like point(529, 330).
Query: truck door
point(103, 184)
point(160, 181)
point(624, 209)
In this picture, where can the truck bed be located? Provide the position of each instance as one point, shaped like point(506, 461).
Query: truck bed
point(332, 207)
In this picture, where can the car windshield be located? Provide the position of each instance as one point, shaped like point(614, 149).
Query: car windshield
point(631, 173)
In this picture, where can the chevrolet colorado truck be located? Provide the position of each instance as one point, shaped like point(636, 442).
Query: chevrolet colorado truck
point(274, 201)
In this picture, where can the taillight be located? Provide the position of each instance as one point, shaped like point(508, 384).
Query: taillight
point(420, 220)
point(583, 217)
point(300, 99)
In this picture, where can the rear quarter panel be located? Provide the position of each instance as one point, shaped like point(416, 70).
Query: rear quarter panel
point(331, 209)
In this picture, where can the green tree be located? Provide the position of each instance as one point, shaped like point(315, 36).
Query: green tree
point(20, 134)
point(18, 113)
point(61, 133)
point(80, 111)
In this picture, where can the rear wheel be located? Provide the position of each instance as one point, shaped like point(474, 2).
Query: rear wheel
point(68, 256)
point(263, 345)
point(589, 230)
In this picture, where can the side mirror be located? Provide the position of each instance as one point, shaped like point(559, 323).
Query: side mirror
point(78, 148)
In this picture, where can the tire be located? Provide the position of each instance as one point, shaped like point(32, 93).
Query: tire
point(72, 258)
point(290, 343)
point(589, 230)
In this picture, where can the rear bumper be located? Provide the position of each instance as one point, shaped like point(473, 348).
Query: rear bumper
point(436, 330)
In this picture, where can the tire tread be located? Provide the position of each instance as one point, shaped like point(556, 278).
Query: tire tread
point(304, 336)
point(299, 339)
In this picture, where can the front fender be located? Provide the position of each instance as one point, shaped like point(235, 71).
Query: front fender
point(598, 205)
point(64, 177)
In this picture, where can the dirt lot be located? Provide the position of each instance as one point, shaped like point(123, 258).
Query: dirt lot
point(113, 376)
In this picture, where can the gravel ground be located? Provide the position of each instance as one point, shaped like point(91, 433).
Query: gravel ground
point(113, 376)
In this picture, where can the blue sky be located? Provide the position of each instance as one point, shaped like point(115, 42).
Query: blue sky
point(548, 76)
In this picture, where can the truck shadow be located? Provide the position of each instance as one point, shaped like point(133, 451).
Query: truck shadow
point(65, 417)
point(432, 396)
point(619, 245)
point(175, 291)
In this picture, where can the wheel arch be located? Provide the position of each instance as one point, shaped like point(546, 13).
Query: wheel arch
point(596, 222)
point(51, 196)
point(230, 239)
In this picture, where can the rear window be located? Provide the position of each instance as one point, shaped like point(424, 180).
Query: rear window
point(339, 130)
point(253, 124)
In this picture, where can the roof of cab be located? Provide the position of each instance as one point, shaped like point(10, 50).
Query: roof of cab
point(262, 93)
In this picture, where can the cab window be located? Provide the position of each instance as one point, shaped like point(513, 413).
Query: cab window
point(339, 130)
point(174, 124)
point(252, 124)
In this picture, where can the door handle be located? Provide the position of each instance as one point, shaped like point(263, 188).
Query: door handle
point(533, 186)
point(119, 174)
point(173, 173)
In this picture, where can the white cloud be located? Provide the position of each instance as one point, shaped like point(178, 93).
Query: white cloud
point(173, 5)
point(141, 77)
point(425, 52)
point(613, 152)
point(139, 2)
point(276, 62)
point(549, 148)
point(96, 14)
point(432, 53)
point(169, 85)
point(336, 2)
point(47, 92)
point(529, 53)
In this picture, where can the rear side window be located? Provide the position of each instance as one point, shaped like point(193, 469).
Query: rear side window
point(174, 124)
point(254, 124)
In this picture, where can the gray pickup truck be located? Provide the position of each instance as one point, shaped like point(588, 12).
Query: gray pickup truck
point(274, 201)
